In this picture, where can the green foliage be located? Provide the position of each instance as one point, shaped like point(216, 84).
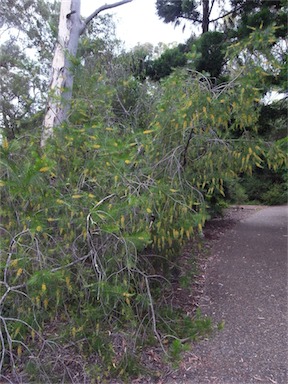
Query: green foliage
point(235, 192)
point(25, 62)
point(256, 16)
point(266, 186)
point(212, 49)
point(254, 52)
point(273, 120)
point(187, 329)
point(79, 243)
point(17, 104)
point(205, 54)
point(171, 11)
point(176, 349)
point(276, 195)
point(164, 65)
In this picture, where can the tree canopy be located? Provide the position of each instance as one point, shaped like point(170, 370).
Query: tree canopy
point(243, 13)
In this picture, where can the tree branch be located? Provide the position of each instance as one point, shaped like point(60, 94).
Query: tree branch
point(184, 154)
point(101, 9)
point(194, 19)
point(227, 13)
point(211, 7)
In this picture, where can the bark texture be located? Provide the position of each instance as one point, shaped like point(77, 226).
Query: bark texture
point(206, 16)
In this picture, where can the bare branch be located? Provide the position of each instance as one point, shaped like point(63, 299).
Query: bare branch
point(211, 7)
point(101, 9)
point(196, 20)
point(236, 9)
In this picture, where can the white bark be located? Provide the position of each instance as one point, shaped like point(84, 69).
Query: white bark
point(70, 28)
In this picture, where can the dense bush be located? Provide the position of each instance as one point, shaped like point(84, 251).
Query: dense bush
point(266, 186)
point(87, 246)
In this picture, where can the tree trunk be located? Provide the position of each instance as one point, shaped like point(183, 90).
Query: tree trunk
point(206, 16)
point(69, 31)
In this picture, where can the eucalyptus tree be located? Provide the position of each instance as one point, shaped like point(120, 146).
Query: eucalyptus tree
point(33, 23)
point(19, 88)
point(71, 27)
point(28, 34)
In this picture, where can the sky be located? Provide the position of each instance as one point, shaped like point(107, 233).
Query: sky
point(137, 22)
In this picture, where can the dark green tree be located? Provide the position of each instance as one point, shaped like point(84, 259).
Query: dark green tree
point(211, 49)
point(196, 11)
point(203, 54)
point(164, 65)
point(172, 11)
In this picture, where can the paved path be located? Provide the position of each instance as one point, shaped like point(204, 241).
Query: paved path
point(247, 289)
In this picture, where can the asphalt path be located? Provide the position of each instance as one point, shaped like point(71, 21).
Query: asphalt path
point(246, 293)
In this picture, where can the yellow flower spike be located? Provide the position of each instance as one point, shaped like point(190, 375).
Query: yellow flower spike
point(14, 262)
point(19, 350)
point(44, 169)
point(5, 143)
point(69, 286)
point(76, 196)
point(57, 297)
point(73, 332)
point(33, 335)
point(19, 272)
point(38, 302)
point(44, 287)
point(45, 303)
